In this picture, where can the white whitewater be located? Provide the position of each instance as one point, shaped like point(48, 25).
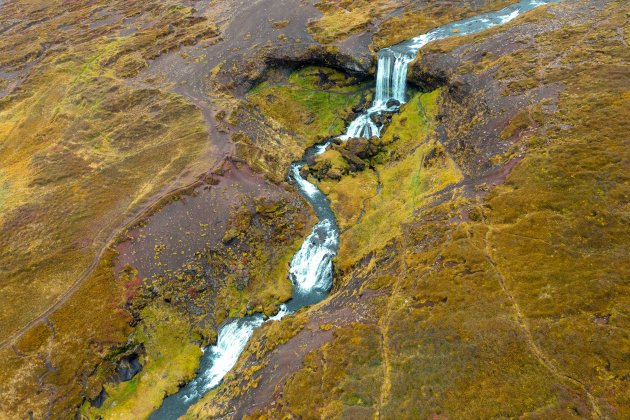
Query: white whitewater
point(391, 77)
point(230, 344)
point(393, 63)
point(311, 269)
point(311, 273)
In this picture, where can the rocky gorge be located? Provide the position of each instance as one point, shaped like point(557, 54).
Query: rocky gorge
point(481, 268)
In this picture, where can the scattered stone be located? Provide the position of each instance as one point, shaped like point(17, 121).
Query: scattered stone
point(601, 319)
point(382, 119)
point(267, 206)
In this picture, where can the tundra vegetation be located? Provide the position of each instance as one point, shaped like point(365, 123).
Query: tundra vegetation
point(83, 152)
point(483, 266)
point(498, 287)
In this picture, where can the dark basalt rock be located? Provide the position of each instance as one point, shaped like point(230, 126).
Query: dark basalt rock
point(359, 147)
point(363, 104)
point(100, 399)
point(362, 147)
point(430, 75)
point(393, 103)
point(128, 367)
point(382, 119)
point(459, 89)
point(355, 163)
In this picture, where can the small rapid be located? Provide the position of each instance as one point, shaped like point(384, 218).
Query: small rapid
point(311, 270)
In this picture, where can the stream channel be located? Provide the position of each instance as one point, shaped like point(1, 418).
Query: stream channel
point(311, 269)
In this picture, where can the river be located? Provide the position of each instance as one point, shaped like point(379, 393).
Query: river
point(311, 270)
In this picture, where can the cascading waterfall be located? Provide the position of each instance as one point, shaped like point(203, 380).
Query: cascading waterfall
point(393, 62)
point(311, 273)
point(311, 268)
point(391, 77)
point(383, 78)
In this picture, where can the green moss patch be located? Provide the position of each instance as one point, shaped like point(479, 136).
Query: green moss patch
point(312, 103)
point(170, 358)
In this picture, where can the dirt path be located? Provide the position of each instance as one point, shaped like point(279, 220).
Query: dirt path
point(140, 214)
point(387, 364)
point(542, 358)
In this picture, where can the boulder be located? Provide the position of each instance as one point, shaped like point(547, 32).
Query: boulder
point(355, 163)
point(364, 148)
point(359, 147)
point(382, 119)
point(393, 103)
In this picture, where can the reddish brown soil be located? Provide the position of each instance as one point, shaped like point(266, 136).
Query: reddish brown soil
point(349, 305)
point(194, 221)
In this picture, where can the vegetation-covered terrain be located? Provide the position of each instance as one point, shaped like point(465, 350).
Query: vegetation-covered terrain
point(483, 265)
point(82, 153)
point(498, 285)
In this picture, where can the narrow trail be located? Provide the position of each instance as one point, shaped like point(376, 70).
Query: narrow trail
point(387, 364)
point(141, 214)
point(533, 347)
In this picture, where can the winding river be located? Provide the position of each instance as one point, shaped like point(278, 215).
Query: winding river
point(311, 269)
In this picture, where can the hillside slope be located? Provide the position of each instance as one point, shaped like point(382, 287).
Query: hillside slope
point(483, 267)
point(488, 274)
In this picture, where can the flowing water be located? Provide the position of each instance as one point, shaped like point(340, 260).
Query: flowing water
point(393, 62)
point(311, 273)
point(311, 269)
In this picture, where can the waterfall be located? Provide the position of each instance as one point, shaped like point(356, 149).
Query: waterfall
point(362, 126)
point(382, 78)
point(393, 62)
point(391, 77)
point(311, 269)
point(391, 83)
point(231, 341)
